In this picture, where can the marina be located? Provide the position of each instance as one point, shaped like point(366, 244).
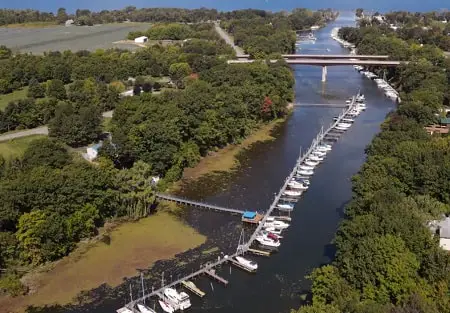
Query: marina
point(269, 228)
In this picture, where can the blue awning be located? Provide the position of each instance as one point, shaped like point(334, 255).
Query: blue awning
point(249, 215)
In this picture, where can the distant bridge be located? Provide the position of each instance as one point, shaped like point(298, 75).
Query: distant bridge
point(324, 56)
point(325, 62)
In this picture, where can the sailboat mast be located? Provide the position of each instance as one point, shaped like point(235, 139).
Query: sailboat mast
point(131, 294)
point(142, 283)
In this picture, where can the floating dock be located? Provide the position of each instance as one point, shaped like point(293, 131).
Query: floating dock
point(259, 252)
point(212, 273)
point(193, 288)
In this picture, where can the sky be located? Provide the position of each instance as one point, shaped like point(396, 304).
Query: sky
point(273, 5)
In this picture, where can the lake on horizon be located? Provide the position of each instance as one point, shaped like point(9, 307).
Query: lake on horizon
point(271, 5)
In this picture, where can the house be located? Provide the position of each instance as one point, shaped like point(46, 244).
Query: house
point(444, 234)
point(379, 18)
point(142, 39)
point(92, 152)
point(69, 22)
point(445, 121)
point(128, 93)
point(437, 129)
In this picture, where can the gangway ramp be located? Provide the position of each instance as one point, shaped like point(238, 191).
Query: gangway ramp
point(197, 204)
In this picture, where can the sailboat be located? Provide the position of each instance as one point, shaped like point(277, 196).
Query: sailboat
point(166, 307)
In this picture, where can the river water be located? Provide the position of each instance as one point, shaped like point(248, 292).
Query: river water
point(280, 279)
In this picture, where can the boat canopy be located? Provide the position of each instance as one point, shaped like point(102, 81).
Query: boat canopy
point(249, 215)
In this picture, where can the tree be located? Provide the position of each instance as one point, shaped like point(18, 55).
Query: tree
point(56, 89)
point(82, 223)
point(75, 128)
point(45, 152)
point(147, 87)
point(137, 90)
point(317, 308)
point(157, 86)
point(178, 71)
point(35, 90)
point(61, 16)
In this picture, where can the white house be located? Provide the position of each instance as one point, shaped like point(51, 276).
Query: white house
point(444, 234)
point(128, 93)
point(92, 152)
point(142, 39)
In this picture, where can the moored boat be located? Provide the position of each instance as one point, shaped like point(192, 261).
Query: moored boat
point(144, 309)
point(292, 193)
point(179, 299)
point(285, 206)
point(248, 264)
point(265, 241)
point(166, 307)
point(305, 172)
point(276, 224)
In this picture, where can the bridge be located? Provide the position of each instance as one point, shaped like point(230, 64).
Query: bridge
point(324, 56)
point(325, 62)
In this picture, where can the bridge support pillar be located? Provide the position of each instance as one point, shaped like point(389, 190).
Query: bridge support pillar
point(324, 73)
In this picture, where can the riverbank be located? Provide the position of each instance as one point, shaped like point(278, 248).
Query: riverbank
point(226, 159)
point(94, 264)
point(158, 237)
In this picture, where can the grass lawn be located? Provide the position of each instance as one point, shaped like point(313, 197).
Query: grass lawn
point(133, 246)
point(16, 147)
point(16, 95)
point(32, 25)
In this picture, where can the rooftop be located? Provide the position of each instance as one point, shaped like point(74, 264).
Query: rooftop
point(444, 227)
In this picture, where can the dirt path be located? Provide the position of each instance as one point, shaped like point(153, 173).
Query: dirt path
point(43, 130)
point(225, 36)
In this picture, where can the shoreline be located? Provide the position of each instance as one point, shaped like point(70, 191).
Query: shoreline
point(224, 160)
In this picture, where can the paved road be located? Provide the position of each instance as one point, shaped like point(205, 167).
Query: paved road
point(228, 39)
point(43, 130)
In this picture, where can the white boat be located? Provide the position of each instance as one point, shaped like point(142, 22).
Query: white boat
point(360, 97)
point(266, 241)
point(276, 224)
point(340, 128)
point(319, 153)
point(292, 193)
point(305, 172)
point(296, 185)
point(305, 168)
point(346, 120)
point(124, 310)
point(344, 125)
point(253, 266)
point(311, 162)
point(324, 148)
point(145, 309)
point(166, 307)
point(272, 230)
point(315, 158)
point(180, 299)
point(270, 234)
point(285, 206)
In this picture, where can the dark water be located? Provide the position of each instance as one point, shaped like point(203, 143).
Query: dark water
point(280, 279)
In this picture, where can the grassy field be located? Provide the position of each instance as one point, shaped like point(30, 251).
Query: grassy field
point(16, 147)
point(16, 95)
point(133, 246)
point(32, 25)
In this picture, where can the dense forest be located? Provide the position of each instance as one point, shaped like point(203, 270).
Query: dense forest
point(132, 14)
point(50, 198)
point(264, 34)
point(387, 259)
point(423, 28)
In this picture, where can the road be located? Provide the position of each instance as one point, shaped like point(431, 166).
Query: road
point(228, 39)
point(43, 130)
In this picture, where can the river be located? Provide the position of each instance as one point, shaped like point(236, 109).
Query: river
point(280, 279)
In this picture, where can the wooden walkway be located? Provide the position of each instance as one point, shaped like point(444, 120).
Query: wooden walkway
point(197, 204)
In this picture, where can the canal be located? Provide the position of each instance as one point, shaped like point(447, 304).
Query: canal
point(280, 279)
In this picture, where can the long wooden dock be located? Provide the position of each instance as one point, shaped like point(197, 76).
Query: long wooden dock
point(197, 204)
point(209, 268)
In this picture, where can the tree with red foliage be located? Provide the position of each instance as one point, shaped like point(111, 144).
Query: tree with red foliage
point(266, 108)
